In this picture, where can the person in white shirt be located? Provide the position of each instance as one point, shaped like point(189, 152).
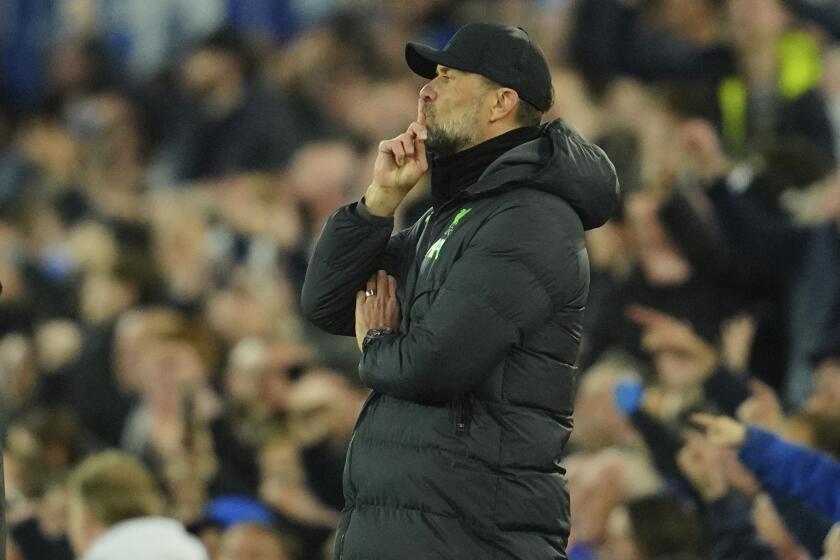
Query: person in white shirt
point(113, 512)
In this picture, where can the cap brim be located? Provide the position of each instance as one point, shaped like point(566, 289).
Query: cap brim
point(424, 60)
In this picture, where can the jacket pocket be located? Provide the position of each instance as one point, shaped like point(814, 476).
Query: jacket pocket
point(341, 533)
point(347, 476)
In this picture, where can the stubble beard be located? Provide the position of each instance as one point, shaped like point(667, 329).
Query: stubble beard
point(447, 137)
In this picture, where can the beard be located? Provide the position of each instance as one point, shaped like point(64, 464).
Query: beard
point(447, 137)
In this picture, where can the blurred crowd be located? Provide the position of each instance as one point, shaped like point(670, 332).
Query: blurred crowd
point(166, 165)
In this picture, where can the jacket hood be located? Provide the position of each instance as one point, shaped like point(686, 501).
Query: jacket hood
point(563, 163)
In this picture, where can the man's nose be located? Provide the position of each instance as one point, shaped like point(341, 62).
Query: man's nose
point(428, 93)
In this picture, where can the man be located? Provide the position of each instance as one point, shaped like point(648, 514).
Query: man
point(112, 512)
point(470, 329)
point(229, 124)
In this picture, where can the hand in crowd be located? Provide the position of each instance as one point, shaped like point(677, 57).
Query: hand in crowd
point(721, 430)
point(283, 484)
point(664, 335)
point(762, 408)
point(832, 544)
point(380, 309)
point(736, 339)
point(400, 164)
point(701, 463)
point(701, 151)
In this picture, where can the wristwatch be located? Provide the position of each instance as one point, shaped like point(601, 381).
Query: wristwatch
point(373, 334)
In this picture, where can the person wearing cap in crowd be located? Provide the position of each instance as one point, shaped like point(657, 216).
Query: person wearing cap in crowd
point(468, 321)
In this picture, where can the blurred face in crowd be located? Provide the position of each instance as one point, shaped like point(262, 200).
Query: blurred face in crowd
point(598, 423)
point(825, 399)
point(17, 371)
point(206, 69)
point(251, 542)
point(165, 371)
point(684, 16)
point(756, 22)
point(104, 297)
point(831, 72)
point(134, 335)
point(259, 373)
point(452, 103)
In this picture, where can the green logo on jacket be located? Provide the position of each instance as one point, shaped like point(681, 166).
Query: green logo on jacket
point(434, 250)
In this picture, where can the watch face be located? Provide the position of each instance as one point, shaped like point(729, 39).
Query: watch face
point(373, 334)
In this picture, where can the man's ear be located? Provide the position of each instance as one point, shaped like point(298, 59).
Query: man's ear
point(505, 104)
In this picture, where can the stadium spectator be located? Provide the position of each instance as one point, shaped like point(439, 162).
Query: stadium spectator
point(113, 510)
point(166, 164)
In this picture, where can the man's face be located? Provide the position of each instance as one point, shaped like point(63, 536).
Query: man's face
point(205, 69)
point(756, 21)
point(452, 103)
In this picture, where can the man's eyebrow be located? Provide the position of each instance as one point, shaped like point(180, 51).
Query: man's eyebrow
point(442, 69)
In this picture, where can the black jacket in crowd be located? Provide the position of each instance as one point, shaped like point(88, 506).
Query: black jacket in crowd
point(456, 454)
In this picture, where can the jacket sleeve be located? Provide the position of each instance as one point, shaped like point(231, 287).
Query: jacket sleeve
point(808, 526)
point(690, 224)
point(353, 245)
point(760, 240)
point(795, 471)
point(521, 264)
point(726, 389)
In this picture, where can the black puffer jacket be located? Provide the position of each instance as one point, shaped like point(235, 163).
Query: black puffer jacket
point(457, 452)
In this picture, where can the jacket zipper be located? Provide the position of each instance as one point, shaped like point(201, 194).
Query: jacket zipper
point(462, 415)
point(431, 221)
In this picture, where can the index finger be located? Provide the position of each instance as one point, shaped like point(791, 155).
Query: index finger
point(705, 420)
point(646, 316)
point(381, 283)
point(758, 388)
point(421, 116)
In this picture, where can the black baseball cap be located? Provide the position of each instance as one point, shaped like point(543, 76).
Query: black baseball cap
point(503, 54)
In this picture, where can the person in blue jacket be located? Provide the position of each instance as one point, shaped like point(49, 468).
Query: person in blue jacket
point(808, 475)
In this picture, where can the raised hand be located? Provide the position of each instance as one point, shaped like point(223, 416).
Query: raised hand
point(663, 333)
point(721, 430)
point(701, 463)
point(400, 164)
point(737, 335)
point(762, 408)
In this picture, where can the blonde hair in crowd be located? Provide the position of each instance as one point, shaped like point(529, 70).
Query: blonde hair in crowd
point(113, 486)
